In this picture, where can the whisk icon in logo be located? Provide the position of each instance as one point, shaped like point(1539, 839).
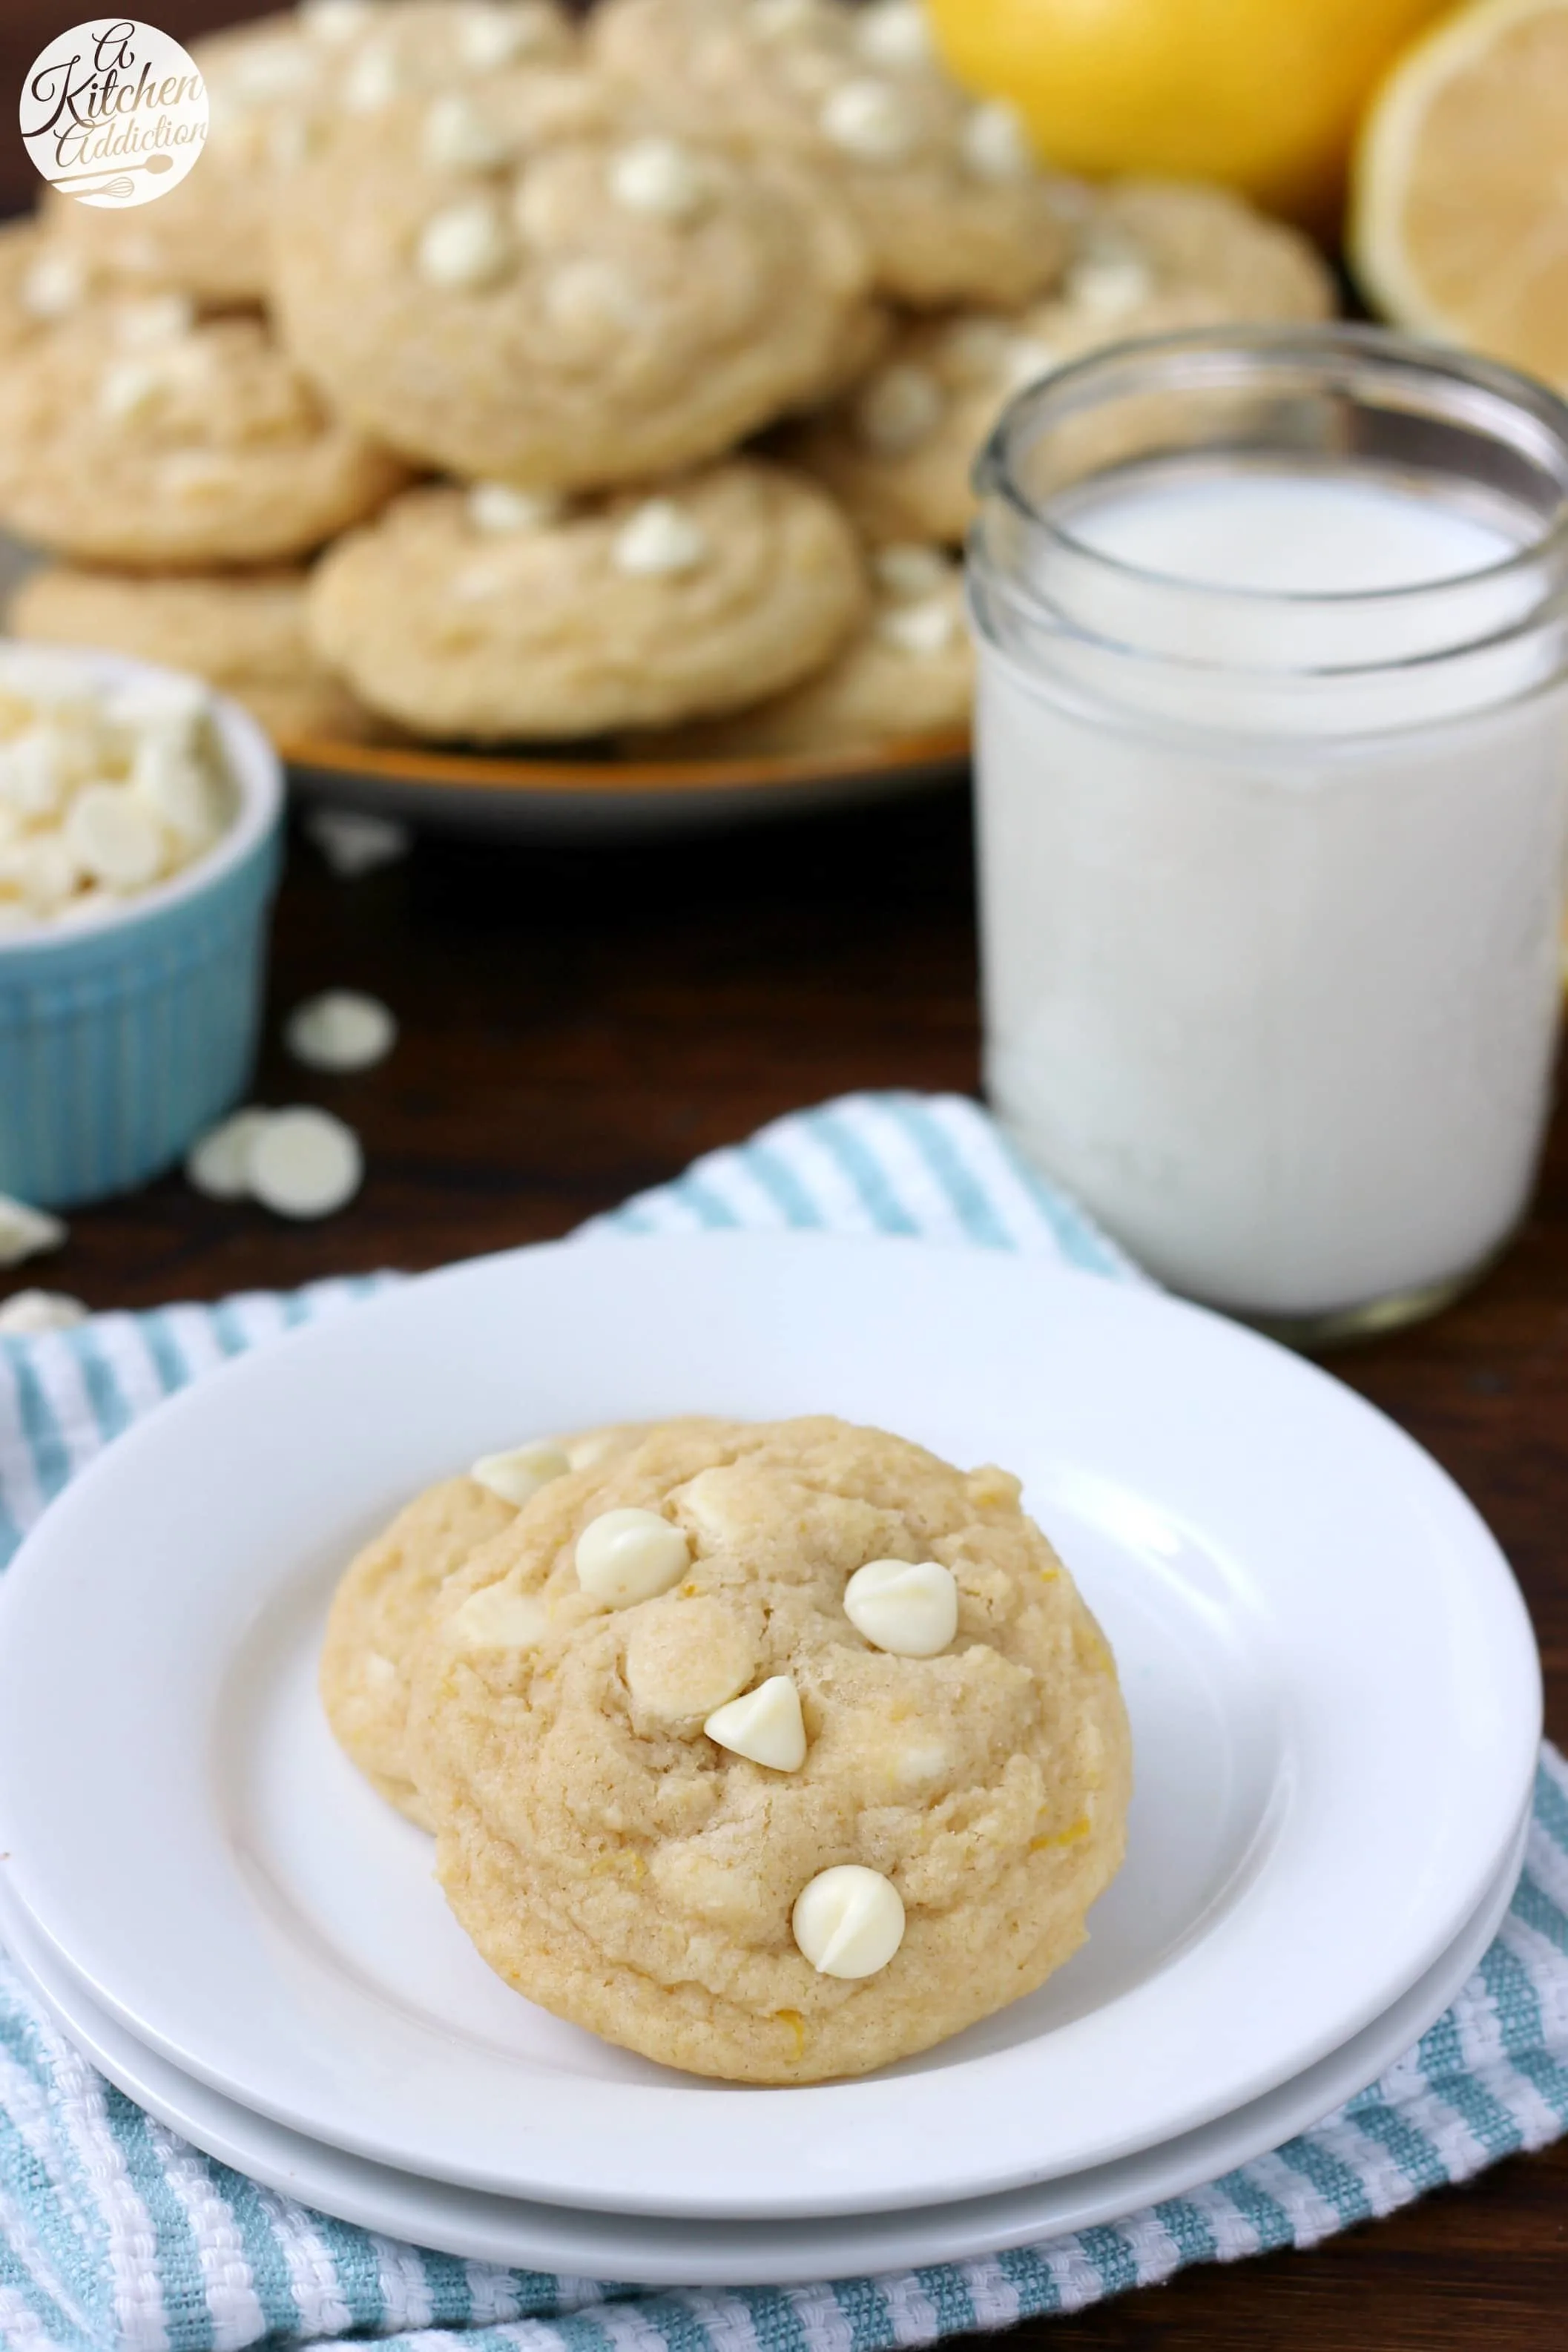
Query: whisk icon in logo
point(114, 113)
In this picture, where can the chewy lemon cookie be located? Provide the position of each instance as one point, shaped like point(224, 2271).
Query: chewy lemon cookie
point(772, 1751)
point(492, 614)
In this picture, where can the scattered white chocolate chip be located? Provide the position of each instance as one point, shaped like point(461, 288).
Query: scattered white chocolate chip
point(372, 81)
point(354, 844)
point(500, 1619)
point(114, 839)
point(336, 23)
point(489, 36)
point(496, 509)
point(849, 1921)
point(660, 177)
point(765, 1725)
point(466, 246)
point(458, 138)
point(893, 33)
point(899, 409)
point(1109, 284)
point(995, 144)
point(908, 570)
point(341, 1030)
point(627, 1556)
point(518, 1476)
point(218, 1164)
point(659, 538)
point(909, 1607)
point(305, 1163)
point(54, 286)
point(27, 1314)
point(928, 627)
point(27, 1231)
point(870, 120)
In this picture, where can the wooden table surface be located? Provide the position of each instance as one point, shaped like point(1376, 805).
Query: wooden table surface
point(577, 1023)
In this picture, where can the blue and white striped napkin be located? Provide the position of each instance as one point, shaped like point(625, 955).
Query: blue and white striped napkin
point(116, 2236)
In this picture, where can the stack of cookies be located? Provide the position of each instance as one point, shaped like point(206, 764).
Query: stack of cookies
point(494, 380)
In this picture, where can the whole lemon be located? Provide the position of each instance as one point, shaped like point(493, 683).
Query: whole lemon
point(1263, 95)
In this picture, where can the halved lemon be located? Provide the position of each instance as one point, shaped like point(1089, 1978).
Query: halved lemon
point(1459, 208)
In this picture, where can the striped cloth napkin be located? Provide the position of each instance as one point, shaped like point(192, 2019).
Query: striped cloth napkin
point(116, 2236)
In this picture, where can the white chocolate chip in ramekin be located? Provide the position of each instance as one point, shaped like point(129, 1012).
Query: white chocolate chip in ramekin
point(658, 539)
point(910, 571)
point(178, 789)
point(497, 510)
point(27, 1231)
point(928, 627)
point(893, 33)
point(29, 1313)
point(870, 120)
point(995, 144)
point(765, 1725)
point(849, 1921)
point(899, 410)
point(341, 1029)
point(518, 1476)
point(500, 1619)
point(115, 837)
point(464, 247)
point(1109, 284)
point(42, 869)
point(661, 178)
point(218, 1164)
point(458, 138)
point(909, 1607)
point(627, 1556)
point(305, 1163)
point(54, 286)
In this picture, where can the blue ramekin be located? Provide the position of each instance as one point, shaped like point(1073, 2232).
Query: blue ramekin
point(120, 1040)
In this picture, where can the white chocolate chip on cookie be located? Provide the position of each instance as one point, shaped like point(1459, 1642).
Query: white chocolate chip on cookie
point(497, 509)
point(909, 1607)
point(849, 1921)
point(661, 177)
point(899, 409)
point(658, 538)
point(464, 247)
point(491, 36)
point(627, 1556)
point(870, 120)
point(995, 144)
point(372, 81)
point(926, 628)
point(518, 1476)
point(909, 571)
point(54, 286)
point(893, 33)
point(500, 1619)
point(336, 23)
point(1109, 284)
point(765, 1725)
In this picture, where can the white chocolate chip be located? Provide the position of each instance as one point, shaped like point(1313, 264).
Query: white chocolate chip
point(27, 1231)
point(114, 839)
point(380, 1673)
point(995, 144)
point(35, 771)
point(518, 1476)
point(178, 789)
point(658, 538)
point(870, 120)
point(899, 410)
point(1109, 284)
point(1029, 361)
point(336, 23)
point(162, 318)
point(496, 509)
point(909, 571)
point(354, 844)
point(54, 286)
point(765, 1725)
point(596, 1445)
point(977, 350)
point(660, 177)
point(849, 1921)
point(627, 1556)
point(218, 1164)
point(775, 20)
point(131, 388)
point(893, 33)
point(341, 1030)
point(500, 1619)
point(305, 1163)
point(466, 246)
point(281, 70)
point(27, 1314)
point(928, 627)
point(372, 81)
point(588, 298)
point(42, 870)
point(458, 138)
point(496, 36)
point(909, 1607)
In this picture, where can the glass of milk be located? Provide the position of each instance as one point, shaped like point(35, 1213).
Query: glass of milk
point(1272, 775)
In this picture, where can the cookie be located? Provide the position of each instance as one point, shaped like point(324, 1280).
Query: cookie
point(594, 1692)
point(137, 435)
point(1151, 257)
point(490, 615)
point(501, 289)
point(40, 284)
point(946, 192)
point(908, 671)
point(244, 631)
point(277, 90)
point(380, 1607)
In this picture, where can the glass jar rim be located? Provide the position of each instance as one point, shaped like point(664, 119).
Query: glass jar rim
point(1072, 388)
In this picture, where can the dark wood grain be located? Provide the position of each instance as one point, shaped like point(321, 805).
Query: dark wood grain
point(578, 1024)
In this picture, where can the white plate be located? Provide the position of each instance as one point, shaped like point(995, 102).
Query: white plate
point(1334, 1687)
point(672, 2252)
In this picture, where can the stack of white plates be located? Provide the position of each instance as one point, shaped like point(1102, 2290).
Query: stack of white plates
point(1332, 1684)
